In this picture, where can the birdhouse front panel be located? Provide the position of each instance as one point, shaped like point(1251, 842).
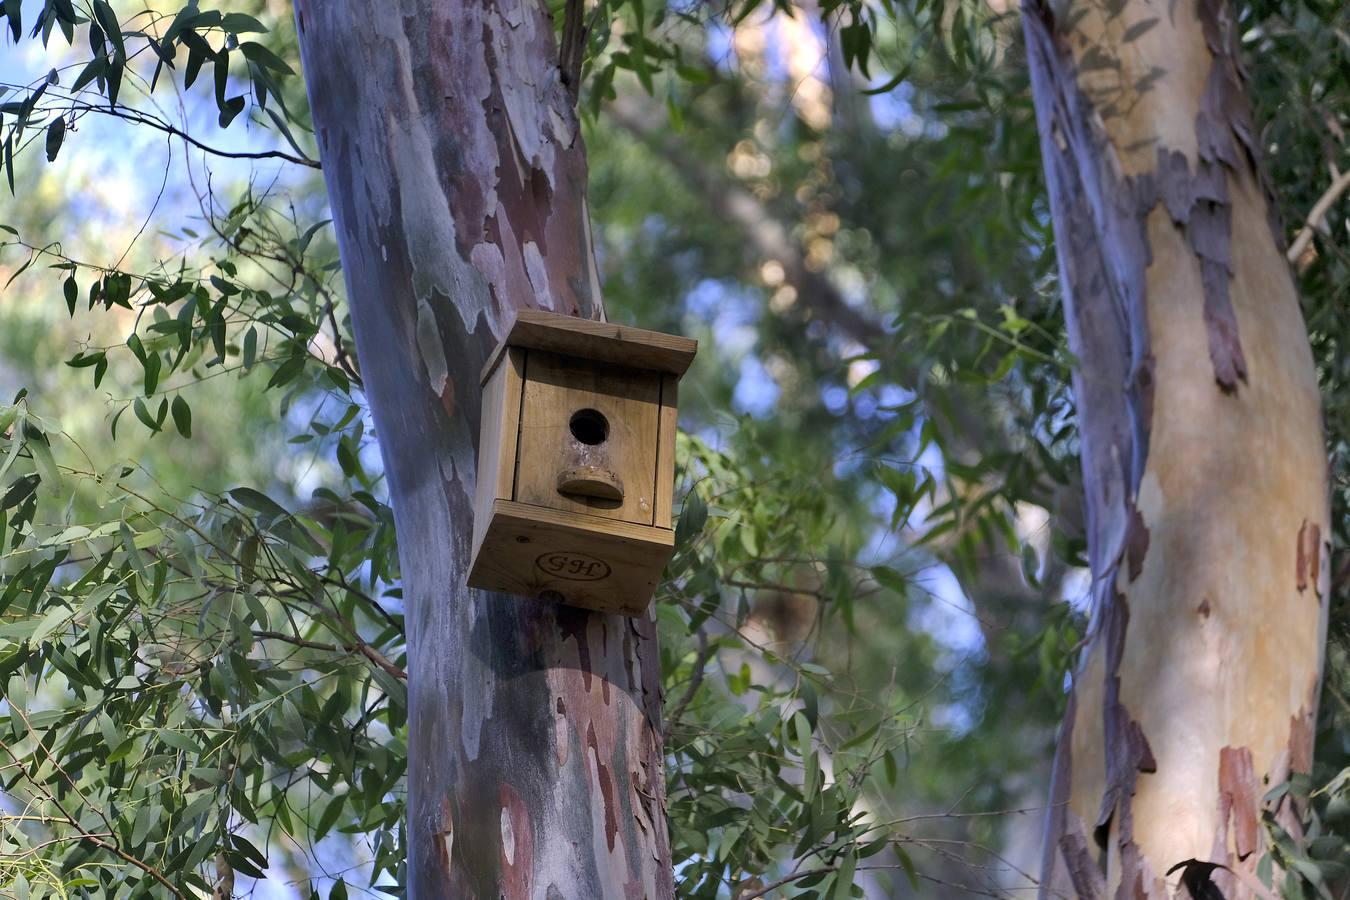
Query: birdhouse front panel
point(576, 462)
point(588, 438)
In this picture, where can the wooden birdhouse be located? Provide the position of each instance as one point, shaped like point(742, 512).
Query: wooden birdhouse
point(576, 462)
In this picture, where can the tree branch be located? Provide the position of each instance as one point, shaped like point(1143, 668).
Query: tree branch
point(763, 230)
point(571, 51)
point(140, 118)
point(705, 652)
point(1316, 215)
point(357, 646)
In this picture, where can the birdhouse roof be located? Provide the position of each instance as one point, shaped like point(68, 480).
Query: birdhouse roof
point(621, 345)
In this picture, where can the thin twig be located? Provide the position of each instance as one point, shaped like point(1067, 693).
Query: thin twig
point(807, 873)
point(1318, 213)
point(140, 118)
point(357, 646)
point(339, 346)
point(705, 652)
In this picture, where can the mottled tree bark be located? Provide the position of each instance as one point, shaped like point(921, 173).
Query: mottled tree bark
point(457, 175)
point(1203, 457)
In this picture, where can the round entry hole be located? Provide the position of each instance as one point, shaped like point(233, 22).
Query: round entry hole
point(589, 426)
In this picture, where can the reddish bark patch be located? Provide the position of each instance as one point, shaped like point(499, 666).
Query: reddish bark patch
point(628, 659)
point(1127, 754)
point(1239, 798)
point(1301, 741)
point(572, 622)
point(1086, 875)
point(1134, 874)
point(1308, 556)
point(443, 841)
point(602, 775)
point(1143, 387)
point(1060, 820)
point(448, 397)
point(1199, 204)
point(517, 844)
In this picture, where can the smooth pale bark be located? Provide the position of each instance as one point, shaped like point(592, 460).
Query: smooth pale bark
point(457, 176)
point(1203, 457)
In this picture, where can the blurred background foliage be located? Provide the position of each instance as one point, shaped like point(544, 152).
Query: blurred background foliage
point(879, 582)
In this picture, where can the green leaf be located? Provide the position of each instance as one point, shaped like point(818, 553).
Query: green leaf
point(143, 413)
point(908, 865)
point(326, 822)
point(55, 617)
point(250, 348)
point(891, 579)
point(42, 459)
point(145, 817)
point(258, 502)
point(303, 242)
point(286, 371)
point(1031, 564)
point(257, 53)
point(221, 72)
point(113, 75)
point(232, 108)
point(9, 162)
point(196, 59)
point(693, 516)
point(56, 133)
point(95, 68)
point(891, 84)
point(107, 19)
point(240, 23)
point(153, 364)
point(182, 416)
point(843, 885)
point(13, 9)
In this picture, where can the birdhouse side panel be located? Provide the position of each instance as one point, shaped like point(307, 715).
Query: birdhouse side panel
point(497, 438)
point(589, 438)
point(665, 451)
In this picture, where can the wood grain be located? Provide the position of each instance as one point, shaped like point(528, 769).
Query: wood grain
point(583, 560)
point(665, 451)
point(606, 342)
point(556, 387)
point(497, 443)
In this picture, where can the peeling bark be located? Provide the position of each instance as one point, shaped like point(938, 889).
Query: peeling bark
point(1239, 796)
point(1201, 448)
point(457, 177)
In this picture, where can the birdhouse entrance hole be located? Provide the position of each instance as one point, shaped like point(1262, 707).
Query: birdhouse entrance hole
point(589, 426)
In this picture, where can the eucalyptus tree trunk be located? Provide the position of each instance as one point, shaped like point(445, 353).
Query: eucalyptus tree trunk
point(457, 175)
point(1203, 457)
